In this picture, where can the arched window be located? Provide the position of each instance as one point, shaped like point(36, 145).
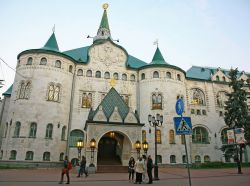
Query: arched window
point(33, 128)
point(144, 135)
point(158, 136)
point(156, 101)
point(168, 75)
point(75, 135)
point(17, 129)
point(197, 97)
point(89, 73)
point(98, 74)
point(206, 159)
point(197, 159)
point(172, 159)
point(27, 90)
point(63, 133)
point(53, 93)
point(221, 99)
point(178, 77)
point(107, 75)
point(13, 155)
point(132, 77)
point(115, 76)
point(156, 74)
point(171, 137)
point(29, 61)
point(46, 156)
point(22, 90)
point(200, 135)
point(87, 100)
point(1, 155)
point(70, 68)
point(224, 138)
point(80, 72)
point(43, 61)
point(61, 156)
point(58, 64)
point(217, 78)
point(49, 131)
point(124, 77)
point(142, 76)
point(184, 159)
point(29, 155)
point(224, 79)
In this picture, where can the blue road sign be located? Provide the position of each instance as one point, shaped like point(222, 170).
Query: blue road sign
point(179, 106)
point(183, 125)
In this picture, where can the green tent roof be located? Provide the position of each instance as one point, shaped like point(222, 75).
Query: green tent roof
point(158, 58)
point(104, 22)
point(51, 44)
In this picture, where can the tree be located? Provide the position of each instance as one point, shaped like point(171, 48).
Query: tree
point(236, 112)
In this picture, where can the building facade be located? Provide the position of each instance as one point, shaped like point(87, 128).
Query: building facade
point(101, 92)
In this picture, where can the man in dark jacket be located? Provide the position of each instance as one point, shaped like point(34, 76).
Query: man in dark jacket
point(83, 167)
point(149, 169)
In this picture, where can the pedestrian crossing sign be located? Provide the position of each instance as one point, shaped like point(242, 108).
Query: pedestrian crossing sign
point(183, 125)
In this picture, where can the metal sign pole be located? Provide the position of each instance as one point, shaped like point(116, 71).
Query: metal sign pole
point(187, 160)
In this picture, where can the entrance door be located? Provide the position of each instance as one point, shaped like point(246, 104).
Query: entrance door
point(107, 154)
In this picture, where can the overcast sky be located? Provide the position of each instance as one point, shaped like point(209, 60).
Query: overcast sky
point(213, 33)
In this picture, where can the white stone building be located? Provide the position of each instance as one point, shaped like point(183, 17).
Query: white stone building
point(101, 92)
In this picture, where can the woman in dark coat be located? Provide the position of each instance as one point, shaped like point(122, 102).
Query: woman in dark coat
point(131, 168)
point(149, 169)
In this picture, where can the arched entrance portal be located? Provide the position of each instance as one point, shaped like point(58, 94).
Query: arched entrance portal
point(110, 149)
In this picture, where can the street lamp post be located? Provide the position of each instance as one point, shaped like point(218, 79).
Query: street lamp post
point(138, 147)
point(155, 122)
point(79, 146)
point(92, 147)
point(145, 147)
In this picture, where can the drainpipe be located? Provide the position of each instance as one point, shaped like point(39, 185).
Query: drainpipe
point(70, 110)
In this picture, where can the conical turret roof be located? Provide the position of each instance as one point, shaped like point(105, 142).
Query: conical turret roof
point(51, 44)
point(104, 22)
point(158, 58)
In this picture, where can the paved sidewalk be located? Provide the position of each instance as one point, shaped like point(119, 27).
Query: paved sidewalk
point(168, 176)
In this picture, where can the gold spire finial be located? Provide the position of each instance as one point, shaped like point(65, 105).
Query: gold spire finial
point(112, 82)
point(105, 6)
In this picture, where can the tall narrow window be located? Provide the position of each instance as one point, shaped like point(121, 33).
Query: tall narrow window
point(178, 77)
point(49, 131)
point(29, 155)
point(61, 156)
point(17, 129)
point(144, 135)
point(12, 155)
point(53, 93)
point(1, 155)
point(115, 76)
point(33, 128)
point(70, 68)
point(63, 133)
point(158, 136)
point(142, 76)
point(22, 90)
point(46, 156)
point(56, 94)
point(43, 61)
point(184, 159)
point(27, 90)
point(132, 77)
point(58, 64)
point(224, 138)
point(168, 74)
point(171, 137)
point(29, 61)
point(217, 78)
point(124, 77)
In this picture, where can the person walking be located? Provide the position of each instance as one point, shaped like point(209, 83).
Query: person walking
point(139, 169)
point(149, 169)
point(131, 168)
point(66, 167)
point(82, 168)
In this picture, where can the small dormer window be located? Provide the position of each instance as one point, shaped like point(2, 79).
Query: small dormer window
point(98, 74)
point(102, 33)
point(58, 64)
point(89, 73)
point(168, 75)
point(224, 79)
point(156, 74)
point(107, 75)
point(70, 68)
point(178, 77)
point(115, 76)
point(142, 76)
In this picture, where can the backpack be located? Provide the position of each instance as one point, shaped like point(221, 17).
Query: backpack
point(69, 165)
